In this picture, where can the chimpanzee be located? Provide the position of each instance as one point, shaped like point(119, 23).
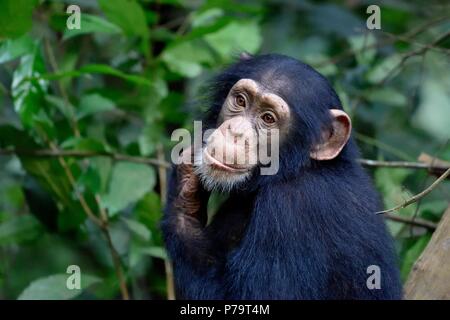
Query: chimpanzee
point(309, 231)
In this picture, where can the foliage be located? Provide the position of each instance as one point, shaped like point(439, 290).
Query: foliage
point(125, 80)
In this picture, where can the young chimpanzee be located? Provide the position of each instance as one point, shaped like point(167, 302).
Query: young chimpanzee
point(309, 231)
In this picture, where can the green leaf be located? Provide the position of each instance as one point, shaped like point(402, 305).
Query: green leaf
point(433, 209)
point(28, 95)
point(390, 181)
point(433, 114)
point(70, 218)
point(92, 24)
point(93, 103)
point(102, 167)
point(148, 211)
point(64, 107)
point(48, 172)
point(89, 179)
point(55, 288)
point(388, 67)
point(129, 182)
point(84, 144)
point(206, 18)
point(11, 136)
point(327, 69)
point(94, 69)
point(363, 45)
point(187, 58)
point(155, 252)
point(12, 49)
point(19, 229)
point(105, 69)
point(128, 15)
point(138, 228)
point(236, 37)
point(15, 17)
point(388, 96)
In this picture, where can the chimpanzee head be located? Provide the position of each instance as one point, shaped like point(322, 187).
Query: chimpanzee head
point(278, 103)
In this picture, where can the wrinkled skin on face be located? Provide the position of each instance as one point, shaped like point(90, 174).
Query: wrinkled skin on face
point(231, 151)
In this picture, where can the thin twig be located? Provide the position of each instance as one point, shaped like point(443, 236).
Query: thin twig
point(401, 164)
point(114, 254)
point(405, 57)
point(162, 173)
point(381, 145)
point(412, 221)
point(420, 195)
point(407, 36)
point(79, 195)
point(117, 265)
point(401, 38)
point(101, 223)
point(46, 153)
point(62, 90)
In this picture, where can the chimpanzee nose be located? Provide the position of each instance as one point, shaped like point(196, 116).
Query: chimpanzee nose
point(239, 126)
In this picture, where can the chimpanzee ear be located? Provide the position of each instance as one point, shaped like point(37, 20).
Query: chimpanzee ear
point(334, 139)
point(245, 56)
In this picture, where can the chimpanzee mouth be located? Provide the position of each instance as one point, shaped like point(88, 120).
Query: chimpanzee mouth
point(216, 164)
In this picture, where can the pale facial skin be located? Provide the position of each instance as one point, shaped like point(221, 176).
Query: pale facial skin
point(231, 151)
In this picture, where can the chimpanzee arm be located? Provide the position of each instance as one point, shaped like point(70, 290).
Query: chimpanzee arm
point(189, 246)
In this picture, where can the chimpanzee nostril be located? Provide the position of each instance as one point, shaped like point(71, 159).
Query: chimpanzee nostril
point(239, 127)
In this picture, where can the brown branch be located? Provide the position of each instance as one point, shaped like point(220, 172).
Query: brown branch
point(101, 223)
point(114, 254)
point(412, 221)
point(400, 38)
point(406, 36)
point(117, 265)
point(435, 163)
point(46, 153)
point(405, 57)
point(437, 167)
point(79, 195)
point(420, 195)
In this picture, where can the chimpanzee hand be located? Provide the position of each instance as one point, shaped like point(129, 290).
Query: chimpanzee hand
point(188, 200)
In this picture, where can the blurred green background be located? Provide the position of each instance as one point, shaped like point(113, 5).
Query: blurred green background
point(83, 114)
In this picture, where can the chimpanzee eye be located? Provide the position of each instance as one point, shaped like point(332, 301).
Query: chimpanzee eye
point(268, 118)
point(240, 100)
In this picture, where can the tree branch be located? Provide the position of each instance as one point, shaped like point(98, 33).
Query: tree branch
point(412, 221)
point(404, 164)
point(48, 153)
point(114, 254)
point(406, 56)
point(419, 195)
point(405, 37)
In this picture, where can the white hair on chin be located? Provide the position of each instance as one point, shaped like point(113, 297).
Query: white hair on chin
point(215, 180)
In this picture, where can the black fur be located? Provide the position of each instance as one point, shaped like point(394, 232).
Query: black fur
point(308, 232)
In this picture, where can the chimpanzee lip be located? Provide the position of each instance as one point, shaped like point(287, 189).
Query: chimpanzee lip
point(221, 166)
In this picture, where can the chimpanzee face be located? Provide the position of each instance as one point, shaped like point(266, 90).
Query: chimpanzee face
point(255, 119)
point(249, 124)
